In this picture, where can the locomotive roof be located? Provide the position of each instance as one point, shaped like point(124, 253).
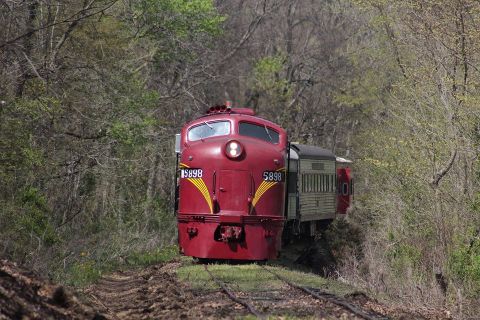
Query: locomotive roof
point(312, 152)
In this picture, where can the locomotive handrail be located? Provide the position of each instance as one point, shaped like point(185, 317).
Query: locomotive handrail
point(287, 173)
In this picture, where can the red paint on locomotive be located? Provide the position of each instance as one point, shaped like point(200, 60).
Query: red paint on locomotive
point(231, 196)
point(345, 189)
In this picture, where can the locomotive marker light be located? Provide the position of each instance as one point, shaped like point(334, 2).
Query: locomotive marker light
point(233, 149)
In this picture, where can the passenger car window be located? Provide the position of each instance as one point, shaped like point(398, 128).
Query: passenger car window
point(209, 129)
point(259, 132)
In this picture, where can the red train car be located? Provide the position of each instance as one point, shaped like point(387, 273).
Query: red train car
point(231, 186)
point(344, 186)
point(232, 197)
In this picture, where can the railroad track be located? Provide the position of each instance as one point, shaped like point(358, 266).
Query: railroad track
point(315, 293)
point(329, 297)
point(234, 297)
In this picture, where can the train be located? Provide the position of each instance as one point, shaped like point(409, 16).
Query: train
point(243, 189)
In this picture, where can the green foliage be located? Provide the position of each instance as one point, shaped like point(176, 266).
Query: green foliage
point(267, 67)
point(128, 134)
point(133, 122)
point(138, 97)
point(89, 268)
point(16, 137)
point(160, 255)
point(35, 217)
point(32, 156)
point(174, 24)
point(109, 38)
point(404, 257)
point(464, 264)
point(267, 77)
point(34, 109)
point(31, 196)
point(27, 222)
point(475, 204)
point(367, 88)
point(182, 18)
point(83, 273)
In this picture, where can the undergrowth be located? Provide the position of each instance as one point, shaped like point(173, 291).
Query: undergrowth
point(89, 270)
point(251, 277)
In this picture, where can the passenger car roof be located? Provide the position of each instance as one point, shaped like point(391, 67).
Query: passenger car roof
point(312, 152)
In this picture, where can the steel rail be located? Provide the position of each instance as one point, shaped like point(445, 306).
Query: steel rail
point(327, 297)
point(232, 296)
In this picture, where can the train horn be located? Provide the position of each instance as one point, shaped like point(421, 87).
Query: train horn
point(218, 109)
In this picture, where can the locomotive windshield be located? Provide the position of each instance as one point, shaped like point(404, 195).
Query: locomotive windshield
point(259, 132)
point(209, 129)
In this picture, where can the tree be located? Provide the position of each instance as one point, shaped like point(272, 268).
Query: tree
point(419, 147)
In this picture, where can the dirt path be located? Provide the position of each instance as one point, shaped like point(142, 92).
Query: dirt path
point(155, 293)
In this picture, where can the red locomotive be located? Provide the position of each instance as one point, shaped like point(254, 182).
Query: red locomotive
point(232, 174)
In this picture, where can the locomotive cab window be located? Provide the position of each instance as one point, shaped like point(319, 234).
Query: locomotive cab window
point(209, 129)
point(259, 131)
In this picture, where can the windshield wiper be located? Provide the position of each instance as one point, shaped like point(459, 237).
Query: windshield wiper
point(208, 125)
point(204, 134)
point(268, 133)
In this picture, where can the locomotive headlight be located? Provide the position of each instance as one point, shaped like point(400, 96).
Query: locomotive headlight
point(233, 149)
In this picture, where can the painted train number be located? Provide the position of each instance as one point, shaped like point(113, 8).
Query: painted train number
point(191, 173)
point(273, 176)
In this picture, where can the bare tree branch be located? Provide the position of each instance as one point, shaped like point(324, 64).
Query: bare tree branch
point(440, 174)
point(70, 20)
point(86, 6)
